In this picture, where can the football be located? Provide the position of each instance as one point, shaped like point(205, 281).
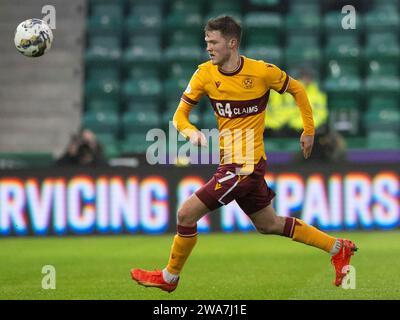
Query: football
point(33, 38)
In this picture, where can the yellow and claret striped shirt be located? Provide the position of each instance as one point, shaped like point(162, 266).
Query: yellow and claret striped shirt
point(239, 99)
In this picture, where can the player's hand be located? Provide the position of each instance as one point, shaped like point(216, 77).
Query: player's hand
point(197, 138)
point(306, 142)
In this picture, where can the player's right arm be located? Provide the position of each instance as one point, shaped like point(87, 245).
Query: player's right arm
point(191, 96)
point(182, 124)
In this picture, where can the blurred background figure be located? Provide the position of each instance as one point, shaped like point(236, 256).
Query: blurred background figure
point(283, 118)
point(329, 147)
point(83, 150)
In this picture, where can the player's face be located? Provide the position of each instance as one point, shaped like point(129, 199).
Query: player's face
point(217, 47)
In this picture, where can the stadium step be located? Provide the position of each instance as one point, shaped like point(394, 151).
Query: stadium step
point(34, 134)
point(37, 107)
point(30, 72)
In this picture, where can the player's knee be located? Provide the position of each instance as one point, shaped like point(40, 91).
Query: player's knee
point(272, 227)
point(184, 217)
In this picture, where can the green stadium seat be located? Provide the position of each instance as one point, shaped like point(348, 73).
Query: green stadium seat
point(170, 104)
point(182, 71)
point(354, 143)
point(141, 90)
point(374, 39)
point(299, 40)
point(344, 104)
point(382, 118)
point(340, 50)
point(196, 118)
point(139, 121)
point(383, 57)
point(97, 2)
point(143, 24)
point(182, 38)
point(302, 24)
point(382, 21)
point(384, 86)
point(266, 53)
point(103, 57)
point(262, 28)
point(312, 7)
point(302, 57)
point(377, 140)
point(339, 69)
point(148, 41)
point(145, 7)
point(266, 3)
point(174, 88)
point(109, 42)
point(104, 25)
point(209, 120)
point(387, 5)
point(134, 143)
point(226, 5)
point(282, 144)
point(102, 88)
point(103, 52)
point(345, 120)
point(101, 122)
point(97, 104)
point(345, 84)
point(142, 57)
point(383, 51)
point(185, 21)
point(182, 56)
point(111, 150)
point(113, 11)
point(106, 138)
point(168, 113)
point(382, 101)
point(149, 105)
point(109, 73)
point(379, 68)
point(339, 39)
point(143, 53)
point(142, 71)
point(27, 159)
point(186, 6)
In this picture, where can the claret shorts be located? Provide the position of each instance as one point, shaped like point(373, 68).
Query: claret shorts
point(251, 192)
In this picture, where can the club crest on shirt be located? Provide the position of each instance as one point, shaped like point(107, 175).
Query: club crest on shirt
point(248, 83)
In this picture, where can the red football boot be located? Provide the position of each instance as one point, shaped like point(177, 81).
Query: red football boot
point(342, 259)
point(152, 279)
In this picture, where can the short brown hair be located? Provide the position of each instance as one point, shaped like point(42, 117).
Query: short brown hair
point(228, 27)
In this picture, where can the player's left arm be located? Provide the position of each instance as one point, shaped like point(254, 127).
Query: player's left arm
point(297, 90)
point(280, 81)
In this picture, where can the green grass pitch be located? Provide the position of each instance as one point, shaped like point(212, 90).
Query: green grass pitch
point(222, 266)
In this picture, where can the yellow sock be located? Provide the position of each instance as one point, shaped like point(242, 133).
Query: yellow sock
point(300, 231)
point(184, 241)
